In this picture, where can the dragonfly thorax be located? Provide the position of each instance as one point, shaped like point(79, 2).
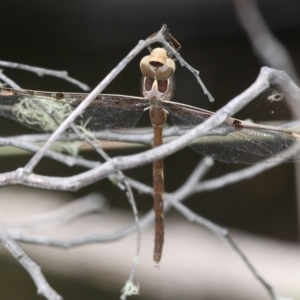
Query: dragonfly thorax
point(158, 89)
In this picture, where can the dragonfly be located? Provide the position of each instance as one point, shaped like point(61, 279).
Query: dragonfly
point(234, 141)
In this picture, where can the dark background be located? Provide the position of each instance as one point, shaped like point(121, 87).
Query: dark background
point(88, 38)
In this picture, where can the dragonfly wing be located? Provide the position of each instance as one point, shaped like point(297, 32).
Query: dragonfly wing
point(235, 141)
point(45, 111)
point(31, 111)
point(113, 115)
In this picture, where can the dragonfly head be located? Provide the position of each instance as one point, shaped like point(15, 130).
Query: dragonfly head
point(157, 65)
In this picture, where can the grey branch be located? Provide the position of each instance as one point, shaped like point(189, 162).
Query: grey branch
point(97, 90)
point(266, 78)
point(41, 72)
point(270, 51)
point(172, 200)
point(63, 158)
point(266, 46)
point(120, 179)
point(8, 81)
point(43, 288)
point(189, 188)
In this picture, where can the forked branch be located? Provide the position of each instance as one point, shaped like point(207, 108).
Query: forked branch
point(266, 78)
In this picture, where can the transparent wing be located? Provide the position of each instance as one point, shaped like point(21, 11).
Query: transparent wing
point(45, 111)
point(235, 141)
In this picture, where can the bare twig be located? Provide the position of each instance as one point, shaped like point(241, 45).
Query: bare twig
point(146, 220)
point(63, 158)
point(266, 78)
point(8, 81)
point(187, 189)
point(97, 90)
point(271, 52)
point(43, 288)
point(73, 242)
point(192, 217)
point(189, 67)
point(265, 45)
point(41, 72)
point(233, 177)
point(121, 180)
point(173, 200)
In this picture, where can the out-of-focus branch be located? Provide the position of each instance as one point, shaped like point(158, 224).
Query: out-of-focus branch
point(271, 52)
point(74, 210)
point(265, 45)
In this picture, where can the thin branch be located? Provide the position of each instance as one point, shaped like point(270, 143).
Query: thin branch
point(266, 78)
point(186, 190)
point(271, 52)
point(233, 177)
point(145, 221)
point(73, 242)
point(8, 81)
point(63, 158)
point(173, 200)
point(121, 180)
point(189, 188)
point(200, 171)
point(189, 67)
point(43, 288)
point(97, 90)
point(223, 232)
point(264, 43)
point(42, 71)
point(256, 274)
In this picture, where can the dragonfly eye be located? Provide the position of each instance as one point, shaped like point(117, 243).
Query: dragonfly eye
point(146, 68)
point(166, 71)
point(157, 65)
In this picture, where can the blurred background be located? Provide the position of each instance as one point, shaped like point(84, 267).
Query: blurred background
point(88, 39)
